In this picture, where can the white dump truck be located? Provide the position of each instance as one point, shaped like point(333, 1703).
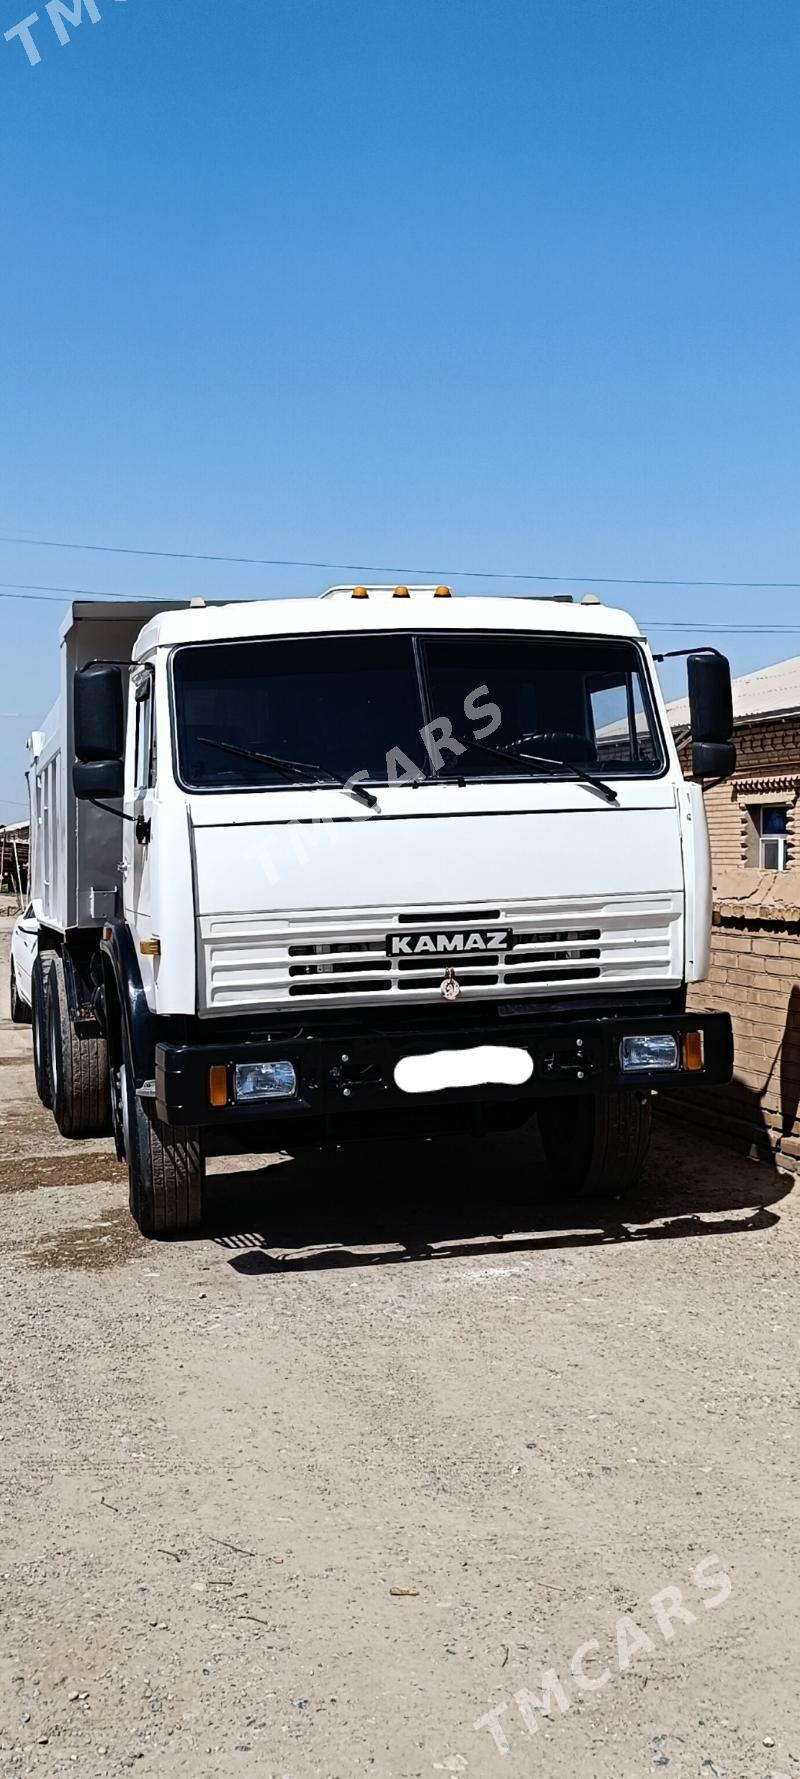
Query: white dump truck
point(384, 863)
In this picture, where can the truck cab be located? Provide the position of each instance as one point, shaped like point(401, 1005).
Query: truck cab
point(387, 862)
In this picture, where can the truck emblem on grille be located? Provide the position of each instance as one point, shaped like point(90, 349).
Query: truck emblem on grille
point(440, 944)
point(450, 989)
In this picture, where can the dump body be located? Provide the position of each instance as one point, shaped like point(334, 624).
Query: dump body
point(76, 848)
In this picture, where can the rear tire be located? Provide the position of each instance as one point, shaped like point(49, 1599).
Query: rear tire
point(20, 1011)
point(42, 966)
point(596, 1144)
point(166, 1166)
point(78, 1067)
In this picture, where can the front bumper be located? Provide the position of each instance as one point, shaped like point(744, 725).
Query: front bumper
point(342, 1076)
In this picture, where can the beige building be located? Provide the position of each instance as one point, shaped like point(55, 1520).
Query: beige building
point(14, 855)
point(753, 817)
point(754, 824)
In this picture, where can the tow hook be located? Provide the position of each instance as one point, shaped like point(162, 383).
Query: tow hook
point(570, 1060)
point(347, 1077)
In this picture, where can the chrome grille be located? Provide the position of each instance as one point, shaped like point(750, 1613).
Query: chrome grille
point(341, 957)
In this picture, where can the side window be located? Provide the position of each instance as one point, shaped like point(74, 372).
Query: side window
point(621, 725)
point(144, 745)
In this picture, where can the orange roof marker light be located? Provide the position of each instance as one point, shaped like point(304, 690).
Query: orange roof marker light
point(410, 591)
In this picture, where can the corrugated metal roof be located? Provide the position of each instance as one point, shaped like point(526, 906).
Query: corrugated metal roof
point(769, 691)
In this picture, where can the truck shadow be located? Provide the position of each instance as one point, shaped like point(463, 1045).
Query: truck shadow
point(442, 1200)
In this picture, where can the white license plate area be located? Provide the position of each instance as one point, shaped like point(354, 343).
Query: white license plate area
point(487, 1065)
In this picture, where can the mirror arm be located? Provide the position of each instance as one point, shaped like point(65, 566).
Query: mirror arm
point(121, 814)
point(704, 648)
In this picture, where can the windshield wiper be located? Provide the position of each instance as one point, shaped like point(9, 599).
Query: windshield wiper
point(293, 769)
point(504, 753)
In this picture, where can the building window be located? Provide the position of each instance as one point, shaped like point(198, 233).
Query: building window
point(771, 821)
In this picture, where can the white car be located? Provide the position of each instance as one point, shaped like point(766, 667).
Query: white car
point(24, 946)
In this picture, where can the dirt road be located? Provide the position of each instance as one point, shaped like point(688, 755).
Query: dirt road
point(316, 1493)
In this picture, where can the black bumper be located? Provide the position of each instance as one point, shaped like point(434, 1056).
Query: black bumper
point(339, 1077)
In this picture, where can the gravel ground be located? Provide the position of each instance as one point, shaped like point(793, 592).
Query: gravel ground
point(314, 1493)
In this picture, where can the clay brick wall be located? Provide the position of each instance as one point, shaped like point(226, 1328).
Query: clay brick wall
point(755, 950)
point(767, 770)
point(754, 976)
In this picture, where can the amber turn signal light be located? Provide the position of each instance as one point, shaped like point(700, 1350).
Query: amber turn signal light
point(218, 1085)
point(693, 1050)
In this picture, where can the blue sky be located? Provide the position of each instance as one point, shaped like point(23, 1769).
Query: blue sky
point(503, 284)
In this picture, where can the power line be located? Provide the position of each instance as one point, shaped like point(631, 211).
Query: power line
point(463, 574)
point(47, 595)
point(726, 629)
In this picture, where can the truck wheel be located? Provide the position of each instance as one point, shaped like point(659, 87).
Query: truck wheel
point(596, 1143)
point(20, 1011)
point(42, 966)
point(78, 1067)
point(166, 1168)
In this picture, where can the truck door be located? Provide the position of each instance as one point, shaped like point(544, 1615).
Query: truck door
point(139, 807)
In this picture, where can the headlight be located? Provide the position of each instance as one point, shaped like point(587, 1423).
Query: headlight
point(264, 1081)
point(655, 1051)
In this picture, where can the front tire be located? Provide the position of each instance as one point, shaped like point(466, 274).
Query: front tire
point(597, 1144)
point(78, 1067)
point(166, 1166)
point(20, 1011)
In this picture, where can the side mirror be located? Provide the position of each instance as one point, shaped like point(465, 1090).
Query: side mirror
point(98, 715)
point(710, 697)
point(713, 759)
point(98, 778)
point(711, 715)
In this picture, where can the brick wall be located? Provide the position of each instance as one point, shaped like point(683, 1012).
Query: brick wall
point(755, 950)
point(755, 976)
point(767, 771)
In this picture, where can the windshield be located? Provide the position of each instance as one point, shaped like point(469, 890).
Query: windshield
point(396, 708)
